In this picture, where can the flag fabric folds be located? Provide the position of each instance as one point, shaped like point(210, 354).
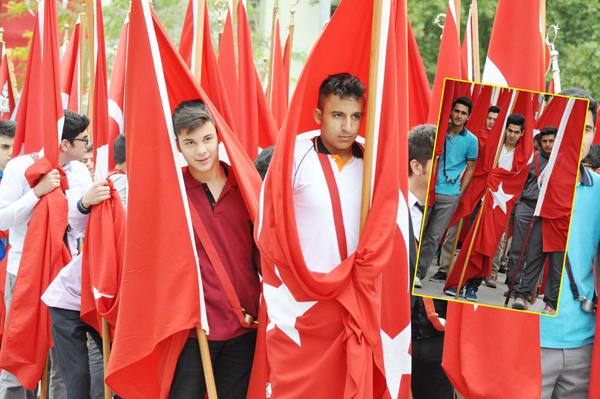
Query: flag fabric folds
point(70, 88)
point(7, 88)
point(373, 339)
point(418, 85)
point(278, 85)
point(116, 94)
point(160, 271)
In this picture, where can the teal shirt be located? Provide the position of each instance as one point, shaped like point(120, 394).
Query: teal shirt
point(573, 328)
point(458, 150)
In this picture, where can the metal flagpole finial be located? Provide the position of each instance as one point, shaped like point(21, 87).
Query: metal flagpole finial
point(552, 29)
point(1, 35)
point(440, 21)
point(221, 6)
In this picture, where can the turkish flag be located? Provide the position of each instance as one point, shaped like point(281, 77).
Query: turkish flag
point(7, 89)
point(256, 126)
point(210, 76)
point(481, 104)
point(448, 62)
point(502, 190)
point(70, 68)
point(466, 51)
point(228, 66)
point(342, 323)
point(559, 177)
point(116, 94)
point(418, 85)
point(278, 85)
point(287, 54)
point(594, 380)
point(160, 270)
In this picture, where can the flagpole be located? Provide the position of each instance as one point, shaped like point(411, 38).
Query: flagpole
point(81, 64)
point(271, 57)
point(106, 355)
point(198, 38)
point(92, 64)
point(475, 41)
point(211, 388)
point(455, 245)
point(519, 262)
point(44, 381)
point(371, 109)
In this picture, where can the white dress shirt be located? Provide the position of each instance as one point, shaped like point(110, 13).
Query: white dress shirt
point(505, 161)
point(416, 215)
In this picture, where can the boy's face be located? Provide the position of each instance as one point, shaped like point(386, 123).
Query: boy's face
point(6, 147)
point(513, 134)
point(200, 147)
point(88, 160)
point(76, 150)
point(340, 120)
point(491, 120)
point(547, 142)
point(459, 115)
point(588, 135)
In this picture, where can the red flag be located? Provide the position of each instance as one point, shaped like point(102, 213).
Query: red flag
point(555, 201)
point(100, 101)
point(594, 380)
point(228, 66)
point(278, 85)
point(522, 63)
point(210, 76)
point(116, 94)
point(418, 86)
point(159, 278)
point(383, 348)
point(502, 190)
point(70, 88)
point(466, 51)
point(7, 89)
point(256, 126)
point(287, 56)
point(448, 62)
point(27, 337)
point(481, 104)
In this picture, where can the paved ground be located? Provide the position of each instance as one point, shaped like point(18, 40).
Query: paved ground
point(486, 295)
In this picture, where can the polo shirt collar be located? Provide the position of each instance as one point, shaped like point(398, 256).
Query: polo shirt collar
point(585, 177)
point(357, 149)
point(190, 182)
point(461, 133)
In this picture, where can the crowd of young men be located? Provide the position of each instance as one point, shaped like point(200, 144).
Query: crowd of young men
point(216, 200)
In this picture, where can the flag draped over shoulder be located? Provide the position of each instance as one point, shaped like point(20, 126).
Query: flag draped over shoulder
point(559, 179)
point(27, 337)
point(373, 339)
point(116, 94)
point(70, 88)
point(448, 62)
point(502, 190)
point(160, 271)
point(7, 88)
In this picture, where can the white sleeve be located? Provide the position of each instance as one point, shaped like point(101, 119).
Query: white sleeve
point(17, 199)
point(80, 182)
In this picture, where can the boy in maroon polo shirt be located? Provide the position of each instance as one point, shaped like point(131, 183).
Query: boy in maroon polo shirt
point(214, 194)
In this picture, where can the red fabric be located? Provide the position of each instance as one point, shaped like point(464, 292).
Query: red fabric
point(27, 336)
point(3, 264)
point(467, 48)
point(228, 225)
point(481, 104)
point(594, 380)
point(448, 62)
point(69, 72)
point(116, 94)
point(256, 126)
point(552, 113)
point(418, 85)
point(495, 219)
point(279, 84)
point(100, 98)
point(6, 81)
point(597, 136)
point(557, 198)
point(518, 23)
point(210, 76)
point(102, 262)
point(287, 58)
point(341, 334)
point(159, 269)
point(486, 355)
point(228, 66)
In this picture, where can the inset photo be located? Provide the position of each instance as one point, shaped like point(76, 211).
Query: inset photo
point(495, 222)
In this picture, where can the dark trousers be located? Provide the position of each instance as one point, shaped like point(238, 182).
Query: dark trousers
point(428, 379)
point(523, 213)
point(231, 361)
point(535, 259)
point(70, 344)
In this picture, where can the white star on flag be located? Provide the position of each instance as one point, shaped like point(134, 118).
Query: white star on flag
point(396, 358)
point(283, 309)
point(500, 198)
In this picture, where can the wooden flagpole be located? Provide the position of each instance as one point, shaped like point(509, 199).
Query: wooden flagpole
point(198, 39)
point(271, 57)
point(211, 388)
point(455, 245)
point(81, 63)
point(370, 122)
point(91, 24)
point(475, 41)
point(106, 355)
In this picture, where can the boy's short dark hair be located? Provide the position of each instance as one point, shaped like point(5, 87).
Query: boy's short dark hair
point(548, 130)
point(516, 119)
point(74, 125)
point(119, 149)
point(581, 93)
point(262, 161)
point(8, 128)
point(495, 109)
point(343, 85)
point(463, 100)
point(593, 157)
point(190, 115)
point(420, 145)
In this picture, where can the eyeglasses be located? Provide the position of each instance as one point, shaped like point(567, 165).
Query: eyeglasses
point(85, 140)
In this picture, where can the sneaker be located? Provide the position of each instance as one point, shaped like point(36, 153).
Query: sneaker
point(418, 283)
point(439, 276)
point(471, 294)
point(490, 282)
point(519, 304)
point(452, 291)
point(549, 310)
